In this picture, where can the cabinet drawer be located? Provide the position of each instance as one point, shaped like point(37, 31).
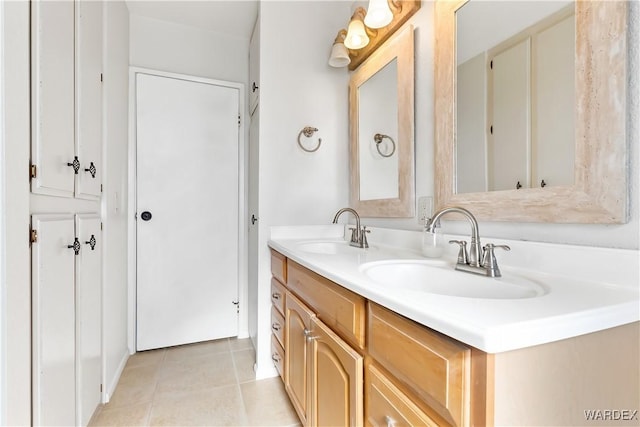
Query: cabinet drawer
point(279, 266)
point(278, 292)
point(434, 366)
point(277, 355)
point(340, 309)
point(387, 405)
point(277, 325)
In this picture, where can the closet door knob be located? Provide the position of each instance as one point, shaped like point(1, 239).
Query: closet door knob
point(91, 242)
point(75, 246)
point(146, 215)
point(254, 87)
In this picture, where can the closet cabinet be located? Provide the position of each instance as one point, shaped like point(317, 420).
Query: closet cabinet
point(66, 277)
point(66, 98)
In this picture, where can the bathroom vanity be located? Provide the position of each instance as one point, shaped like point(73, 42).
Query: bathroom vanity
point(354, 347)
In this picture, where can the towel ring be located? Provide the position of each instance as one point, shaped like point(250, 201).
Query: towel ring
point(308, 131)
point(378, 137)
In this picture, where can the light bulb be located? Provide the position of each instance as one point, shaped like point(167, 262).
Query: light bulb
point(356, 34)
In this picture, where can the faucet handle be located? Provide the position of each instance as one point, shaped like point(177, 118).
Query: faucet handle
point(463, 257)
point(489, 261)
point(363, 236)
point(355, 233)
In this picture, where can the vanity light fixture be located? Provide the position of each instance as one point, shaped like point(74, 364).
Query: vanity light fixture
point(378, 14)
point(339, 53)
point(357, 37)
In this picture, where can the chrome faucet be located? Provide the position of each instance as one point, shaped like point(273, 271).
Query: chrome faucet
point(479, 260)
point(358, 235)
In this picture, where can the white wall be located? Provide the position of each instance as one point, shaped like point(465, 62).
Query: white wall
point(618, 236)
point(298, 89)
point(116, 88)
point(15, 283)
point(177, 48)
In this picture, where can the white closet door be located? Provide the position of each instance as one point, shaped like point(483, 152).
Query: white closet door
point(89, 98)
point(554, 146)
point(53, 299)
point(88, 316)
point(52, 87)
point(509, 161)
point(187, 181)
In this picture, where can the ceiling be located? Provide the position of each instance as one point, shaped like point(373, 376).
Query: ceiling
point(231, 17)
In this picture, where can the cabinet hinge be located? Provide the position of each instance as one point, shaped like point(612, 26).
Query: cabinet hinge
point(33, 171)
point(101, 188)
point(33, 235)
point(100, 388)
point(238, 120)
point(101, 224)
point(237, 304)
point(491, 64)
point(101, 79)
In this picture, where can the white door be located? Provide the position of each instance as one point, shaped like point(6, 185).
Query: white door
point(53, 299)
point(187, 210)
point(88, 316)
point(89, 98)
point(52, 69)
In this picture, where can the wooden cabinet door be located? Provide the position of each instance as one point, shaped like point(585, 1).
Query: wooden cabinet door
point(88, 316)
point(88, 115)
point(298, 324)
point(336, 379)
point(53, 321)
point(52, 99)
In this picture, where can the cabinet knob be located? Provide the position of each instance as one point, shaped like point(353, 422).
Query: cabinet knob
point(276, 357)
point(91, 169)
point(75, 165)
point(390, 422)
point(276, 295)
point(75, 246)
point(91, 242)
point(307, 334)
point(275, 326)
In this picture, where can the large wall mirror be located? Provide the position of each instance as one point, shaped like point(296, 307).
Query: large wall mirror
point(531, 110)
point(381, 94)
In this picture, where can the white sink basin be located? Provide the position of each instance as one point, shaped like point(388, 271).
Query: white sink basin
point(425, 277)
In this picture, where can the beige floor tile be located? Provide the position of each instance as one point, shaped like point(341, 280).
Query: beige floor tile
point(146, 358)
point(196, 350)
point(132, 415)
point(220, 406)
point(267, 403)
point(244, 361)
point(240, 344)
point(196, 374)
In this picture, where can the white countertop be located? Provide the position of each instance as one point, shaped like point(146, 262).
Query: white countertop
point(577, 300)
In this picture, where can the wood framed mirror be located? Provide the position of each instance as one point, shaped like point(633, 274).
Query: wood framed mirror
point(599, 191)
point(381, 121)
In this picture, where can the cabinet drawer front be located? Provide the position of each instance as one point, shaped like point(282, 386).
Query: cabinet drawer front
point(435, 367)
point(277, 325)
point(277, 355)
point(388, 405)
point(279, 266)
point(277, 295)
point(340, 309)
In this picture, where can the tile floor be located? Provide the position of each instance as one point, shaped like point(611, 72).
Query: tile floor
point(205, 384)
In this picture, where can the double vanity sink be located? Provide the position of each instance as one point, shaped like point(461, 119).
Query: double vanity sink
point(523, 308)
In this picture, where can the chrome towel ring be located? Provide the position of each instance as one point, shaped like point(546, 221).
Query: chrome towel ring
point(308, 131)
point(378, 137)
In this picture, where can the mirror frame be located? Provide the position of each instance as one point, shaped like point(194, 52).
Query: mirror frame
point(400, 47)
point(600, 190)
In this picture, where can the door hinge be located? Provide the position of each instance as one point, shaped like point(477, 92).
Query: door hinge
point(33, 171)
point(33, 235)
point(100, 388)
point(491, 64)
point(101, 79)
point(101, 226)
point(101, 188)
point(238, 120)
point(237, 304)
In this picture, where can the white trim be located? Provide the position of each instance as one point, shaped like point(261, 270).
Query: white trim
point(3, 203)
point(111, 388)
point(243, 330)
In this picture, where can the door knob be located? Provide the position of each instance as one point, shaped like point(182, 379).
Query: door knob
point(253, 219)
point(146, 215)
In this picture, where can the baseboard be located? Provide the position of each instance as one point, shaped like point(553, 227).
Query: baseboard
point(264, 372)
point(116, 378)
